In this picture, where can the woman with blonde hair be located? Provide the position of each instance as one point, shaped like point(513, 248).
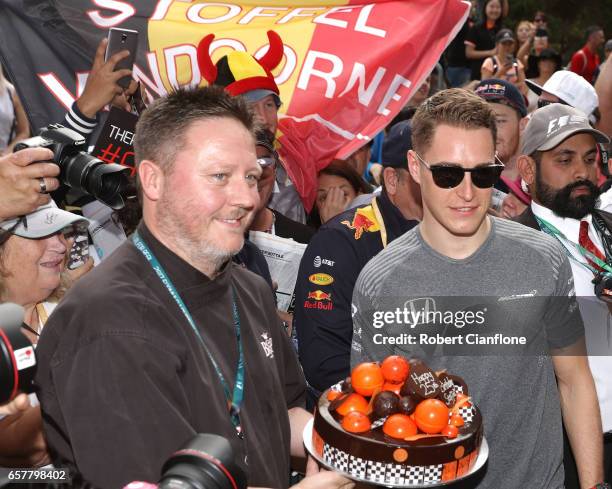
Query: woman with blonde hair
point(525, 30)
point(33, 251)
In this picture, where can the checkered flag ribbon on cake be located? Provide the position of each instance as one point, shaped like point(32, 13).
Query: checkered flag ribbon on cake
point(381, 472)
point(376, 471)
point(432, 473)
point(336, 458)
point(467, 413)
point(358, 467)
point(413, 475)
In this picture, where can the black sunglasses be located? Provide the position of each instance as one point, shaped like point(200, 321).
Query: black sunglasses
point(544, 103)
point(449, 175)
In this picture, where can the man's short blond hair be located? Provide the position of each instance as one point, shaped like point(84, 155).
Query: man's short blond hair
point(455, 107)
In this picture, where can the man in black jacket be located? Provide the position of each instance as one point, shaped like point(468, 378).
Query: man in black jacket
point(169, 338)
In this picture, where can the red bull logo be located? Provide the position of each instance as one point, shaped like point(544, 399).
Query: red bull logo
point(319, 295)
point(363, 221)
point(317, 299)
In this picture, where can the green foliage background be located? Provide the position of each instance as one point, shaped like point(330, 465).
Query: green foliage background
point(567, 20)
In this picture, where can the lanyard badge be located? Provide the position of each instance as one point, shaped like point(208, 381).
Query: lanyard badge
point(234, 400)
point(602, 278)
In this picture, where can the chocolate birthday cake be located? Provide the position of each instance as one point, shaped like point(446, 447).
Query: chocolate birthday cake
point(398, 423)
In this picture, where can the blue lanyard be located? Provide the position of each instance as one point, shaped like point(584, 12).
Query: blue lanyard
point(548, 228)
point(233, 401)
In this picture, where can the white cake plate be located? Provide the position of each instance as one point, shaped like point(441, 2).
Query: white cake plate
point(480, 461)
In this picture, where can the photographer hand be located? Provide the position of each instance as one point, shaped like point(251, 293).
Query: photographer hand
point(325, 480)
point(21, 181)
point(19, 404)
point(321, 480)
point(101, 87)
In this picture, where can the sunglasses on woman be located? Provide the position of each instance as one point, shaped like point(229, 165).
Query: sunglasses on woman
point(544, 103)
point(450, 175)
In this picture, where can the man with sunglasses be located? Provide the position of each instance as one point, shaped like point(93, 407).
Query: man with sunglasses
point(568, 88)
point(559, 163)
point(334, 257)
point(460, 262)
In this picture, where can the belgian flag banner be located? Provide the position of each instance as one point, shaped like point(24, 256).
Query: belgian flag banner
point(347, 67)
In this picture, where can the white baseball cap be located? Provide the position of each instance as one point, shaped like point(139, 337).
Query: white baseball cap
point(48, 219)
point(571, 88)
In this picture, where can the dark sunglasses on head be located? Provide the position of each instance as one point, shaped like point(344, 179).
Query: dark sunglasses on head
point(266, 161)
point(450, 175)
point(539, 19)
point(544, 103)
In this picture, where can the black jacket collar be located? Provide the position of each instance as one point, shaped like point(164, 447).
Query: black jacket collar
point(528, 219)
point(184, 276)
point(395, 223)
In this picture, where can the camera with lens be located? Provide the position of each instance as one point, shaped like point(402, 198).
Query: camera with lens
point(603, 287)
point(17, 357)
point(78, 169)
point(206, 462)
point(602, 222)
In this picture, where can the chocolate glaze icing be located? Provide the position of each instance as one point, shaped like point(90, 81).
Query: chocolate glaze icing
point(376, 446)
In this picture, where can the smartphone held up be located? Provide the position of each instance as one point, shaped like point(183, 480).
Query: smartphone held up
point(122, 40)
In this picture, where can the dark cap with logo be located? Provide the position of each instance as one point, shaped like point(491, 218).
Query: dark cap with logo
point(551, 125)
point(504, 35)
point(502, 91)
point(398, 142)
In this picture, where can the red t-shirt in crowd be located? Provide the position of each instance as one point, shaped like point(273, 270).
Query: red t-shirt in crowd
point(584, 62)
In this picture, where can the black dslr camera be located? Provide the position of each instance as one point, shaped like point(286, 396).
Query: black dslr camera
point(206, 462)
point(602, 221)
point(78, 169)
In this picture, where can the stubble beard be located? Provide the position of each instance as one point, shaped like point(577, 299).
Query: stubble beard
point(201, 253)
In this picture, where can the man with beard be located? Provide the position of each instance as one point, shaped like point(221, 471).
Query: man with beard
point(559, 163)
point(168, 337)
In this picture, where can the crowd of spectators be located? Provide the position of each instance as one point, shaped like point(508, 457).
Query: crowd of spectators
point(114, 326)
